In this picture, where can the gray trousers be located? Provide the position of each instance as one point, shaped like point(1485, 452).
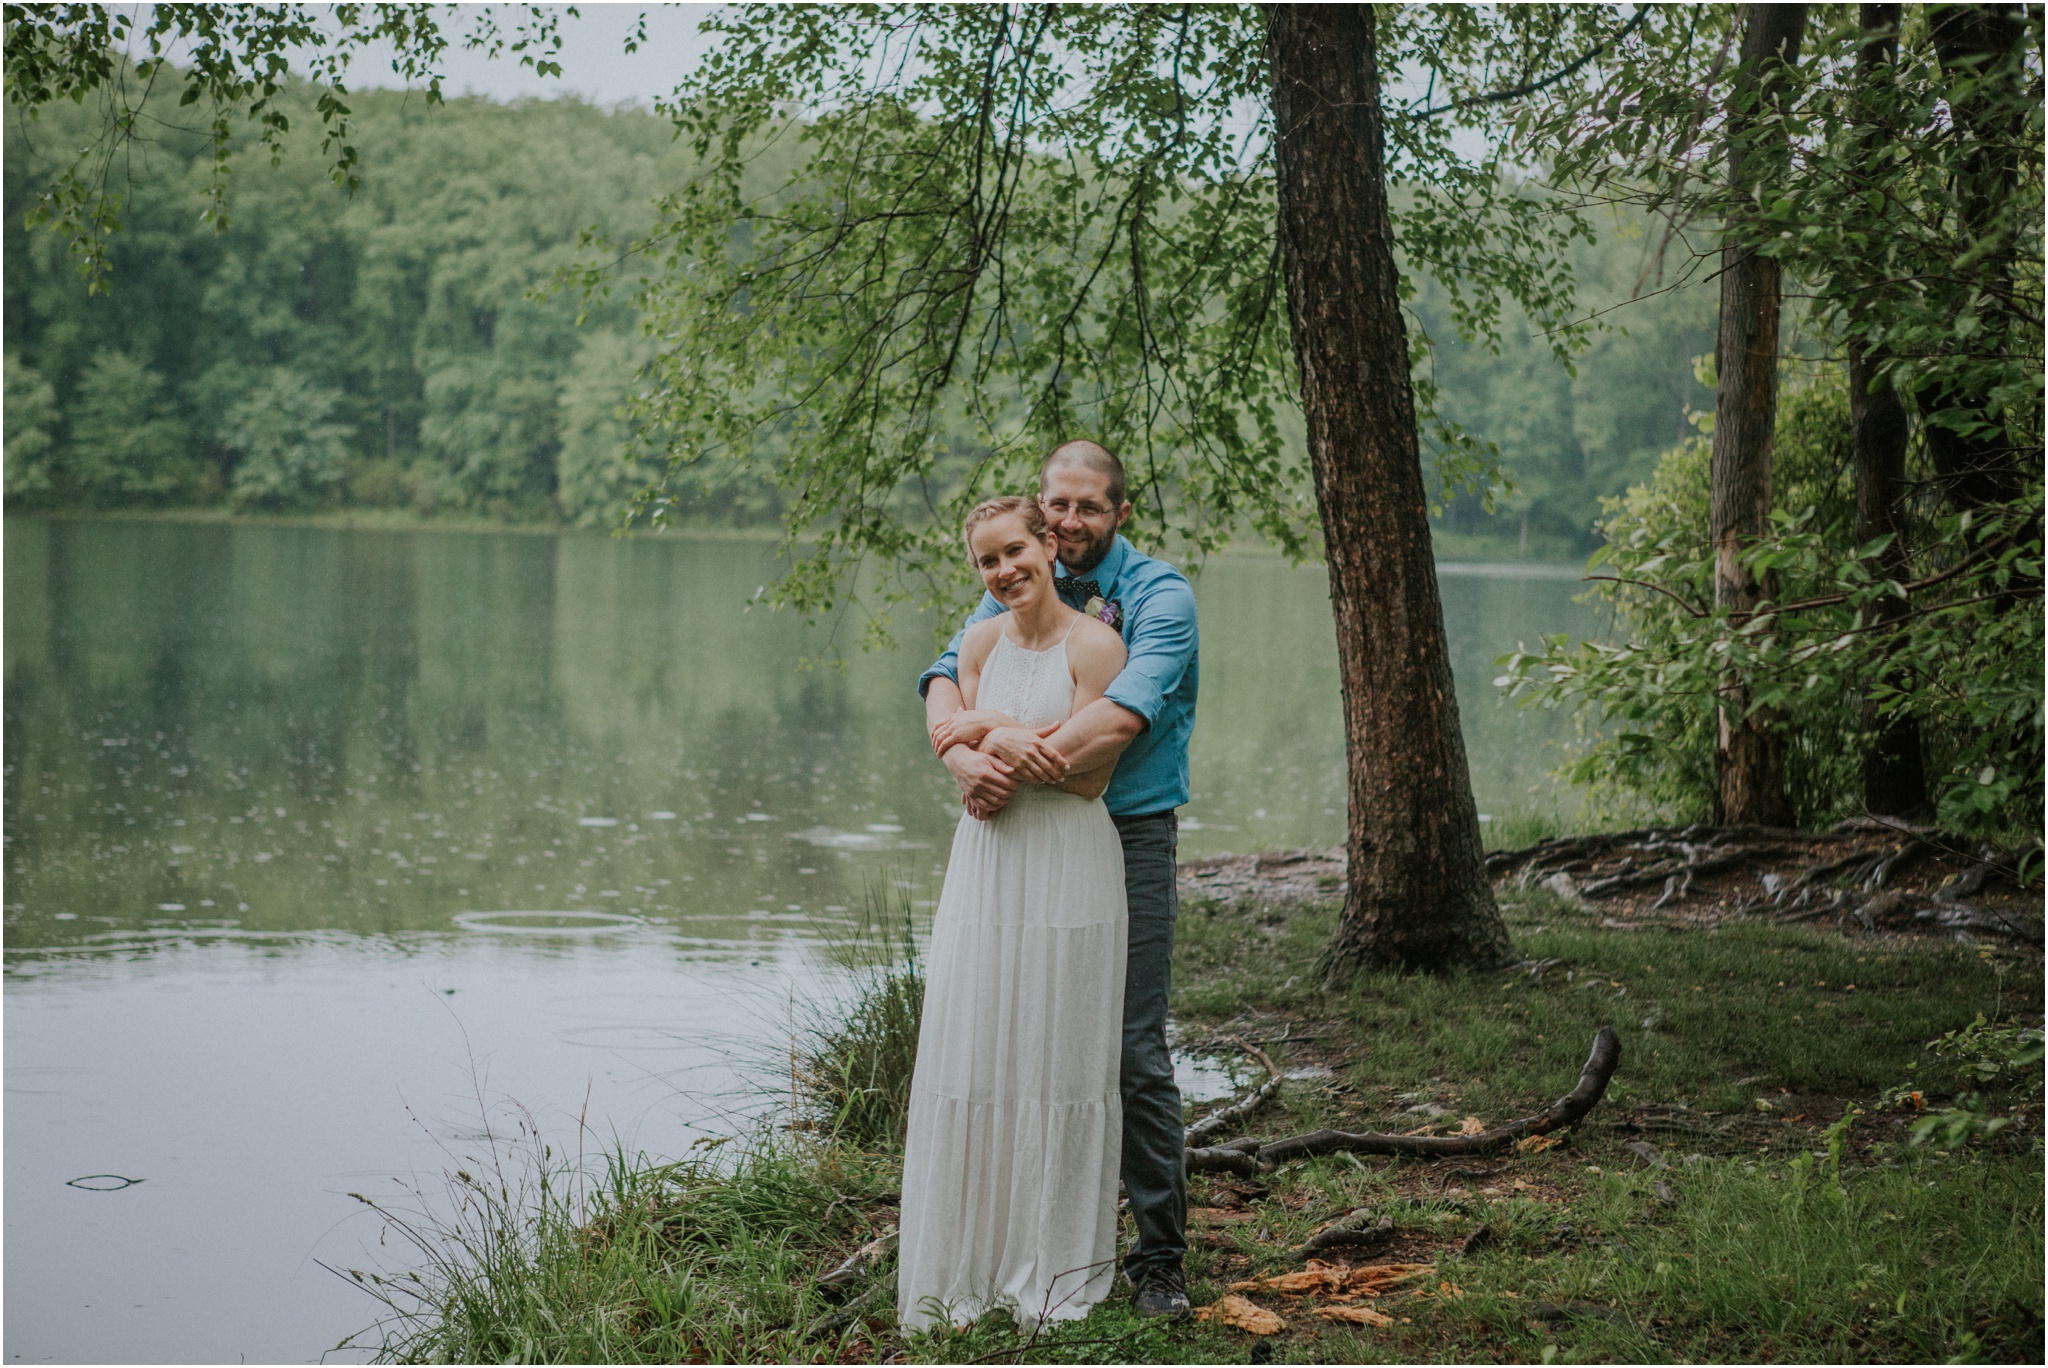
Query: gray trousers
point(1155, 1139)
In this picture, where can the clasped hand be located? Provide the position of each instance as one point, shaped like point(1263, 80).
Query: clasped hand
point(989, 755)
point(967, 727)
point(1026, 752)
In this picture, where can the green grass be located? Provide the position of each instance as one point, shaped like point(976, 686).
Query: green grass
point(1767, 1247)
point(1697, 1011)
point(854, 1075)
point(854, 1067)
point(1933, 1260)
point(653, 1263)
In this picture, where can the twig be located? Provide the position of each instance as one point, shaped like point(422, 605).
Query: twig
point(1996, 544)
point(1216, 1121)
point(1531, 87)
point(858, 1264)
point(1354, 1229)
point(1645, 584)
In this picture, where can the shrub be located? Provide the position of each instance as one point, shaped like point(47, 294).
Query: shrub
point(1965, 661)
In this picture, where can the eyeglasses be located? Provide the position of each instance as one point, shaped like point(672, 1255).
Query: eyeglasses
point(1059, 508)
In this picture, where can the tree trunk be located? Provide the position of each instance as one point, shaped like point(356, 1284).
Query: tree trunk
point(1749, 750)
point(1894, 777)
point(1894, 780)
point(1418, 894)
point(1966, 441)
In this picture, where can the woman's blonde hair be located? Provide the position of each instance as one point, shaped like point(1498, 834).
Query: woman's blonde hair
point(1027, 509)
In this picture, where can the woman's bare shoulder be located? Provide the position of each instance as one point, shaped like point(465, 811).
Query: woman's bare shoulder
point(981, 639)
point(1096, 644)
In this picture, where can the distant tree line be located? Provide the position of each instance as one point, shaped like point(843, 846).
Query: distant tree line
point(393, 347)
point(400, 348)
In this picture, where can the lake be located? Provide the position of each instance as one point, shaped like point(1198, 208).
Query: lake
point(334, 855)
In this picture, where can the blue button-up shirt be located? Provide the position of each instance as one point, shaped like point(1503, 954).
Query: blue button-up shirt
point(1158, 681)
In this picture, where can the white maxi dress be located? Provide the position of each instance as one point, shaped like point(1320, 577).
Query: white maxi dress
point(1010, 1161)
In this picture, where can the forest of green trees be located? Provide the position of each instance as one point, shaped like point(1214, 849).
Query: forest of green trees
point(402, 347)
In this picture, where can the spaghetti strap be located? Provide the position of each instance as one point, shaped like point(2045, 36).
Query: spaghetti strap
point(1071, 626)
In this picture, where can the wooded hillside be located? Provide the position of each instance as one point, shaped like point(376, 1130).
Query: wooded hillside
point(399, 348)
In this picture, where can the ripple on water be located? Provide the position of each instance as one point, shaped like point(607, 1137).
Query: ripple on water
point(548, 923)
point(878, 836)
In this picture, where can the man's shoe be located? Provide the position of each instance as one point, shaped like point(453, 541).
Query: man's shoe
point(1162, 1292)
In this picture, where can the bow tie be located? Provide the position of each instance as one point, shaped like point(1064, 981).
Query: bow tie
point(1076, 592)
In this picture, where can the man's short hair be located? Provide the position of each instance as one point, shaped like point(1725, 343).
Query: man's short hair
point(1089, 455)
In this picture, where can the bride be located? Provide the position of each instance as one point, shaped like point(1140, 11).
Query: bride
point(1010, 1162)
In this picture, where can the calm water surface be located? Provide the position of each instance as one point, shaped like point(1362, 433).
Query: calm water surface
point(327, 850)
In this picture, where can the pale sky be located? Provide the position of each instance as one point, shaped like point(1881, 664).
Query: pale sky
point(594, 63)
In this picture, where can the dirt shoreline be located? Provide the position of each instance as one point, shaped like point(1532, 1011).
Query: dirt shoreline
point(1859, 879)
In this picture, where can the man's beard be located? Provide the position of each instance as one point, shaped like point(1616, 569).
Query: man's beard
point(1081, 563)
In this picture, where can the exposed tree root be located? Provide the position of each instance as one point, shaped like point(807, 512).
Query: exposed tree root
point(1948, 909)
point(1250, 1156)
point(1695, 864)
point(1672, 857)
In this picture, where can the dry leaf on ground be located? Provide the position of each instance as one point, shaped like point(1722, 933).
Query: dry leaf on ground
point(1329, 1278)
point(1472, 1126)
point(1244, 1315)
point(1442, 1289)
point(1535, 1144)
point(1356, 1315)
point(1318, 1277)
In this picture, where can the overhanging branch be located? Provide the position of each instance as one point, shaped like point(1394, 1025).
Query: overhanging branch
point(1531, 87)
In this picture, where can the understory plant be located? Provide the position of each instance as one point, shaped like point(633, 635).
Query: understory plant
point(1984, 1057)
point(1964, 658)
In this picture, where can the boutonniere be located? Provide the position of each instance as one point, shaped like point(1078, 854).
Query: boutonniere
point(1105, 610)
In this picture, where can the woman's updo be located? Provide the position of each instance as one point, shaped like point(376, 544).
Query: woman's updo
point(1026, 509)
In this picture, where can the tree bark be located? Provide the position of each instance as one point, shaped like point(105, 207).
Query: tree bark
point(1418, 895)
point(1894, 775)
point(1749, 750)
point(1976, 44)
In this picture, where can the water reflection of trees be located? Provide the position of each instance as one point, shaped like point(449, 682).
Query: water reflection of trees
point(413, 700)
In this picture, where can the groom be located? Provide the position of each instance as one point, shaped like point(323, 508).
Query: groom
point(1151, 705)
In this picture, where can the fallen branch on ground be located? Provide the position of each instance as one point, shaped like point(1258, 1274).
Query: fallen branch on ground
point(1250, 1156)
point(869, 1302)
point(839, 1285)
point(1221, 1120)
point(858, 1265)
point(1356, 1232)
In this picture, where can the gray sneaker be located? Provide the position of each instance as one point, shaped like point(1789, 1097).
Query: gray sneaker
point(1162, 1292)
